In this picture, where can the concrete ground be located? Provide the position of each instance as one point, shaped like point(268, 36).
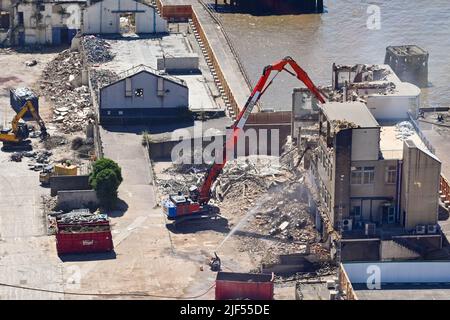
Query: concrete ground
point(16, 74)
point(27, 255)
point(149, 258)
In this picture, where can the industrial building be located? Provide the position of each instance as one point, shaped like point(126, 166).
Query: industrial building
point(45, 22)
point(104, 17)
point(410, 63)
point(386, 96)
point(376, 178)
point(142, 95)
point(379, 181)
point(406, 280)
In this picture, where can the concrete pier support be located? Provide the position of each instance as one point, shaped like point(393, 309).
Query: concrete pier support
point(410, 63)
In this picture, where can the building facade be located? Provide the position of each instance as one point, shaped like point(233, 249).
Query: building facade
point(378, 184)
point(45, 22)
point(143, 95)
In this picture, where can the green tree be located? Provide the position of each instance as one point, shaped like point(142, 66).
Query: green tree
point(105, 178)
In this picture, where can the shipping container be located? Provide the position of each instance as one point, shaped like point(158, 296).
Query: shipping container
point(231, 286)
point(84, 238)
point(19, 96)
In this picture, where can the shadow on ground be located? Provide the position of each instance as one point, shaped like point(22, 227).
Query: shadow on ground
point(88, 256)
point(217, 224)
point(121, 208)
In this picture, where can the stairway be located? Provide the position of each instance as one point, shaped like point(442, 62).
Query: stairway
point(213, 70)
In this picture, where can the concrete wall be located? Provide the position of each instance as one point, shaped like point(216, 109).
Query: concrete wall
point(5, 4)
point(420, 187)
point(390, 107)
point(163, 150)
point(62, 183)
point(175, 96)
point(186, 63)
point(41, 30)
point(103, 17)
point(76, 199)
point(390, 250)
point(361, 250)
point(400, 272)
point(365, 144)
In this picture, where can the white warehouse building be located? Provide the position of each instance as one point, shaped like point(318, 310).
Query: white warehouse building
point(104, 17)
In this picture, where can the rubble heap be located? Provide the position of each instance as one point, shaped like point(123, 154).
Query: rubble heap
point(96, 49)
point(101, 78)
point(73, 107)
point(254, 174)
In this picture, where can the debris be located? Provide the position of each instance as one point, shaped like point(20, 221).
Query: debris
point(16, 156)
point(74, 107)
point(31, 63)
point(97, 49)
point(404, 130)
point(101, 77)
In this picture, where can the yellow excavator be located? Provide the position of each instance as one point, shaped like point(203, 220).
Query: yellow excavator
point(16, 137)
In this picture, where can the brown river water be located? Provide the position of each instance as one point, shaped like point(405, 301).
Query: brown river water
point(341, 35)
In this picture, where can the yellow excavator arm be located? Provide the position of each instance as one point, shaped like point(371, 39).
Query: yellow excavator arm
point(14, 135)
point(29, 107)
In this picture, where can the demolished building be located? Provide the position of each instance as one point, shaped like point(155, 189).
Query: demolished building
point(52, 22)
point(378, 182)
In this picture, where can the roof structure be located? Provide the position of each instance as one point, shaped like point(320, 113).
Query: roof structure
point(352, 111)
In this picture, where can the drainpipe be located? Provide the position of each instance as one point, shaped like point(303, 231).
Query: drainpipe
point(399, 188)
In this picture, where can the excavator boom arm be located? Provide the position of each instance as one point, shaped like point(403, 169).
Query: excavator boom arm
point(258, 91)
point(28, 106)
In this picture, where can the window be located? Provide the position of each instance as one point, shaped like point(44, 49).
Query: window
point(391, 174)
point(357, 175)
point(368, 175)
point(139, 92)
point(356, 211)
point(363, 175)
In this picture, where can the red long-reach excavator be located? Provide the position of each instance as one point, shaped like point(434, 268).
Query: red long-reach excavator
point(196, 203)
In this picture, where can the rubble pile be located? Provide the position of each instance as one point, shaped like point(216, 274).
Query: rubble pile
point(101, 78)
point(404, 130)
point(243, 177)
point(96, 49)
point(73, 108)
point(283, 225)
point(37, 159)
point(80, 216)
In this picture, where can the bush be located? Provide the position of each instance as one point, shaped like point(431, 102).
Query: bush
point(105, 178)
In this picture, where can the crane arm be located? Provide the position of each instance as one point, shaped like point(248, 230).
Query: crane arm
point(258, 91)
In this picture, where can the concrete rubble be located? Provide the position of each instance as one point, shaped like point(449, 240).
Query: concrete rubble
point(102, 77)
point(72, 104)
point(96, 49)
point(267, 194)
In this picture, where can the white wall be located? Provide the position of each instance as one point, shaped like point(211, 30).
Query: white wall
point(365, 144)
point(102, 18)
point(396, 106)
point(50, 18)
point(399, 272)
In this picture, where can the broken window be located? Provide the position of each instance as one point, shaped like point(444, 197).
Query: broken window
point(139, 92)
point(391, 174)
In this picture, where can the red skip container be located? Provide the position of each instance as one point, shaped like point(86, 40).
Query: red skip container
point(231, 286)
point(98, 238)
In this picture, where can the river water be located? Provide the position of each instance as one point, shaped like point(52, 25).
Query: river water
point(341, 35)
